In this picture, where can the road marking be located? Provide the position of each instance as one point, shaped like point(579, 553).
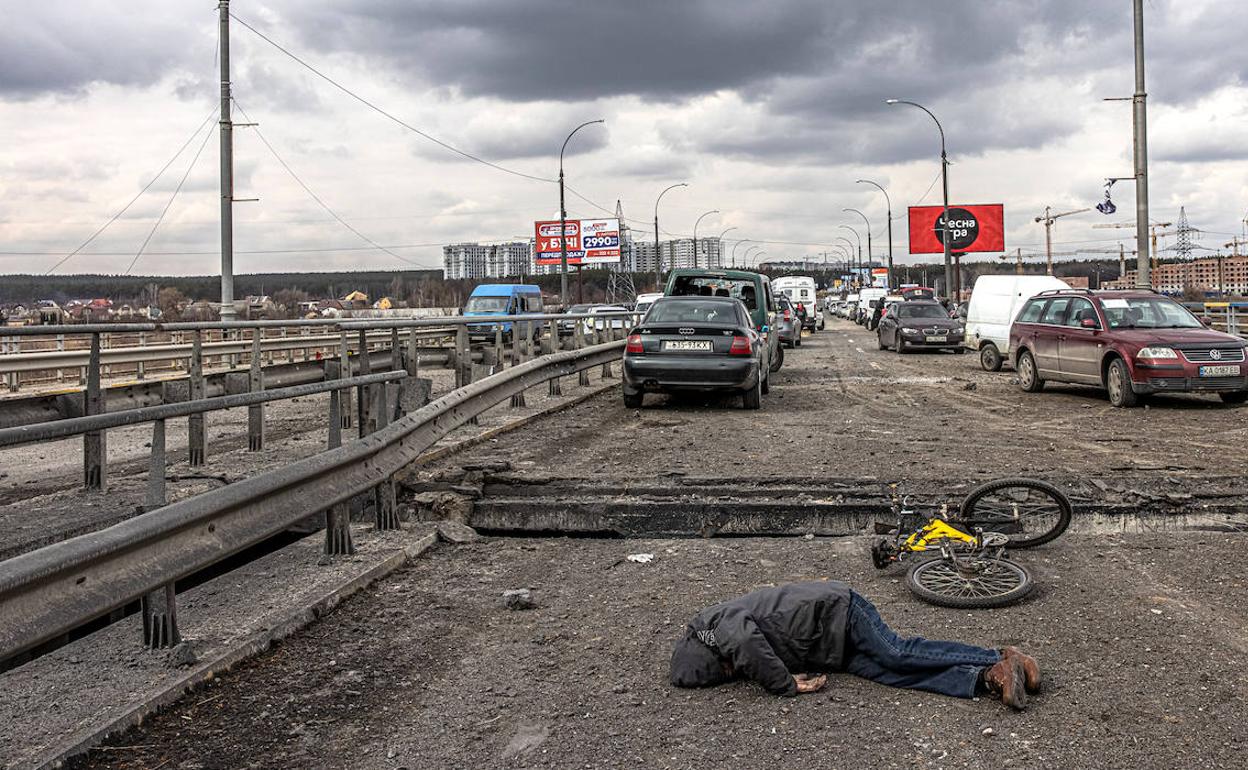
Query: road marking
point(874, 365)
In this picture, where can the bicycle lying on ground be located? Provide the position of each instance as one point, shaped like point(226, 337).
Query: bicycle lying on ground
point(972, 570)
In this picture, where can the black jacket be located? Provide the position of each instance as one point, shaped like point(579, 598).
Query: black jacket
point(768, 636)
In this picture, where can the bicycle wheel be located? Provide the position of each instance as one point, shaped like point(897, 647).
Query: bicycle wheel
point(1029, 512)
point(977, 584)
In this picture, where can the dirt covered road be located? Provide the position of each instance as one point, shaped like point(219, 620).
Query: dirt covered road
point(1142, 639)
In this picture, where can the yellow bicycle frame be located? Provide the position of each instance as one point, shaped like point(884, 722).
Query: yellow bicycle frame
point(933, 533)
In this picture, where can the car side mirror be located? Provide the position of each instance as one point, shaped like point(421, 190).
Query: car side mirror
point(1089, 323)
point(1206, 320)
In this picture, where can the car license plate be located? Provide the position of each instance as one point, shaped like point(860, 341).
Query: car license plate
point(1219, 371)
point(687, 345)
point(936, 338)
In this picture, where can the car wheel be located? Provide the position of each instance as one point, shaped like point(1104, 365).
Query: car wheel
point(797, 341)
point(822, 325)
point(1238, 397)
point(959, 351)
point(777, 361)
point(901, 345)
point(633, 400)
point(990, 358)
point(1028, 376)
point(1118, 383)
point(753, 398)
point(766, 385)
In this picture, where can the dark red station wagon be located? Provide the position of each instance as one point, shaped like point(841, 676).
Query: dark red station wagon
point(1129, 342)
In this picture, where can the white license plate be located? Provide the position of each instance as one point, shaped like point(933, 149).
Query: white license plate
point(704, 345)
point(936, 338)
point(1219, 371)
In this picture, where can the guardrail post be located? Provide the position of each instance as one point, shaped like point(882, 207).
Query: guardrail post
point(159, 607)
point(345, 360)
point(385, 495)
point(11, 345)
point(364, 392)
point(517, 358)
point(196, 435)
point(462, 359)
point(95, 443)
point(582, 377)
point(608, 333)
point(338, 518)
point(556, 383)
point(60, 346)
point(413, 353)
point(396, 350)
point(139, 368)
point(255, 383)
point(498, 343)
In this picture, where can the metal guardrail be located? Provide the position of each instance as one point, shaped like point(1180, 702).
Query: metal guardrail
point(46, 593)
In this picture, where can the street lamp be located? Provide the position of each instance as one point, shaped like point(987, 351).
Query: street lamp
point(944, 176)
point(721, 248)
point(870, 256)
point(563, 222)
point(849, 252)
point(732, 258)
point(745, 258)
point(695, 235)
point(759, 256)
point(889, 203)
point(858, 265)
point(658, 252)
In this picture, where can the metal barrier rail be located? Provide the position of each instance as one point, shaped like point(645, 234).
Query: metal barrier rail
point(46, 593)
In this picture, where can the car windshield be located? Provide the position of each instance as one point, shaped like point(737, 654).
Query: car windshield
point(912, 310)
point(692, 311)
point(1147, 313)
point(487, 304)
point(708, 286)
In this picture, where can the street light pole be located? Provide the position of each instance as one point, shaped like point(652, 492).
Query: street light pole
point(563, 221)
point(944, 178)
point(227, 168)
point(870, 256)
point(721, 248)
point(1140, 123)
point(733, 256)
point(858, 264)
point(889, 203)
point(745, 258)
point(658, 252)
point(849, 266)
point(695, 235)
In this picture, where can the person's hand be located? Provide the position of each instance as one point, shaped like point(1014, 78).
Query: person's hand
point(810, 683)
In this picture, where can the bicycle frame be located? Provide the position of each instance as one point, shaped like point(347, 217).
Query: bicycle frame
point(935, 534)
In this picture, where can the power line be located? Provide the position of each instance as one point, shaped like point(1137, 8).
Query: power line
point(125, 208)
point(165, 210)
point(313, 195)
point(383, 112)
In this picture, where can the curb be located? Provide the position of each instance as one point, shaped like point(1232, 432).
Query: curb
point(438, 454)
point(282, 626)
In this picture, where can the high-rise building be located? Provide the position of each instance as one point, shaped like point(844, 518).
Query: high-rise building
point(474, 261)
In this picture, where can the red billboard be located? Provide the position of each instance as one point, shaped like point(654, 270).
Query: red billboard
point(590, 241)
point(971, 228)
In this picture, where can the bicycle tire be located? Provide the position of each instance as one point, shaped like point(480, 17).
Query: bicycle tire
point(985, 520)
point(936, 582)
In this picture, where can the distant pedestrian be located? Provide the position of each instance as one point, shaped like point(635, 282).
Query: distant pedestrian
point(790, 637)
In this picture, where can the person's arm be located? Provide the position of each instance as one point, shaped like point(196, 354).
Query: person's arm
point(739, 638)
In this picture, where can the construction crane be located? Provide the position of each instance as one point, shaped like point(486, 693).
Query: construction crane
point(1153, 228)
point(1048, 219)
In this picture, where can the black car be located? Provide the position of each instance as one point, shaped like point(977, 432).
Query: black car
point(919, 324)
point(695, 343)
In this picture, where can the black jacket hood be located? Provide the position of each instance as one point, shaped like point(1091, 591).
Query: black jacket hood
point(696, 665)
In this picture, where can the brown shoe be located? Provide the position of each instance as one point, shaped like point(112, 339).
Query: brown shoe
point(1031, 669)
point(1006, 681)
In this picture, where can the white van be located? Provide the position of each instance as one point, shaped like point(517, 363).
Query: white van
point(644, 301)
point(801, 289)
point(868, 296)
point(848, 306)
point(995, 302)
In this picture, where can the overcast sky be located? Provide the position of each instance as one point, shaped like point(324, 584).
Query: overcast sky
point(768, 109)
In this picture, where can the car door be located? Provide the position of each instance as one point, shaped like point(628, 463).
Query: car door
point(888, 326)
point(1046, 342)
point(1079, 345)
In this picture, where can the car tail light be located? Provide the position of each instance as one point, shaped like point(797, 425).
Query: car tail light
point(634, 344)
point(740, 346)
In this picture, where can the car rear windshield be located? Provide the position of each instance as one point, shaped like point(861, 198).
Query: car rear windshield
point(487, 304)
point(692, 311)
point(1147, 313)
point(709, 286)
point(912, 310)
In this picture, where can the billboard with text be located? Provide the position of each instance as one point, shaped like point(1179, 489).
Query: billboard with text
point(589, 242)
point(978, 228)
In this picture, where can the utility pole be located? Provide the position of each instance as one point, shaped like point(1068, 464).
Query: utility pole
point(1048, 219)
point(227, 168)
point(1018, 262)
point(1122, 261)
point(1139, 122)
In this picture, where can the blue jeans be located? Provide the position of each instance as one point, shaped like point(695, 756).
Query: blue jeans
point(874, 651)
